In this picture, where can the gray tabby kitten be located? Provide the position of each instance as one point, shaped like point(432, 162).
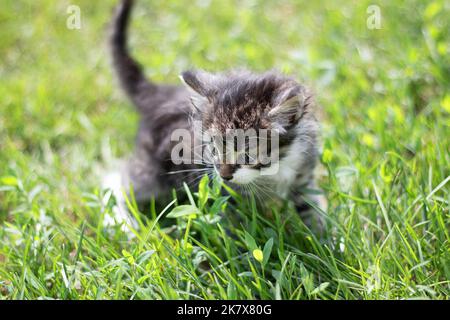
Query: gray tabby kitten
point(237, 100)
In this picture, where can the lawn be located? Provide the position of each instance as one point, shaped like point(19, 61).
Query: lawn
point(385, 111)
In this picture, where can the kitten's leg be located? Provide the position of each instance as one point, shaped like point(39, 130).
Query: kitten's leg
point(143, 174)
point(114, 181)
point(309, 214)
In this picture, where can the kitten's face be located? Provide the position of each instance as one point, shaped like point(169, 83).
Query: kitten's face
point(265, 105)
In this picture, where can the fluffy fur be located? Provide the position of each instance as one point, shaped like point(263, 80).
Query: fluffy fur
point(221, 101)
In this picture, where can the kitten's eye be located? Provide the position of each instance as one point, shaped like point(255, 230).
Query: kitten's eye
point(251, 156)
point(215, 153)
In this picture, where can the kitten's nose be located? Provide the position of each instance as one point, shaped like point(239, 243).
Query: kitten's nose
point(226, 172)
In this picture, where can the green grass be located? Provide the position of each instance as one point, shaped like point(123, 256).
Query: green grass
point(385, 166)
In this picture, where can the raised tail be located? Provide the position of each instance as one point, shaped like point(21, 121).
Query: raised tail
point(129, 72)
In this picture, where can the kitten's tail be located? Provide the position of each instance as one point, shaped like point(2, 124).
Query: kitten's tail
point(129, 72)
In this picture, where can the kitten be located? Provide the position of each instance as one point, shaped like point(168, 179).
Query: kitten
point(219, 102)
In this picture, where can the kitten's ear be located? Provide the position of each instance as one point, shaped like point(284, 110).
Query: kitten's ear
point(200, 84)
point(289, 107)
point(199, 81)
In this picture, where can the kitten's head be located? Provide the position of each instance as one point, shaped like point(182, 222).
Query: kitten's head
point(268, 103)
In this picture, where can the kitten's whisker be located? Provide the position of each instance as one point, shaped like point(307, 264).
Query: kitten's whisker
point(264, 192)
point(194, 180)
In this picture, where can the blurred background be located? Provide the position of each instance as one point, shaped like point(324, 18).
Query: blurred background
point(382, 83)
